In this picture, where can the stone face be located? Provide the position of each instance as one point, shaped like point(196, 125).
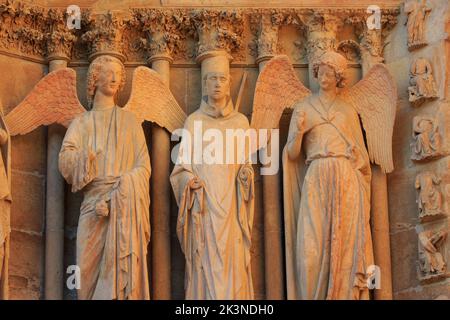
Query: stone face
point(249, 31)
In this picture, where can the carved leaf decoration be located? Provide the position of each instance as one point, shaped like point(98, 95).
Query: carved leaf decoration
point(53, 100)
point(152, 100)
point(277, 88)
point(375, 99)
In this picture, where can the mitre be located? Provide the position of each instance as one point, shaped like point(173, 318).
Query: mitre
point(217, 61)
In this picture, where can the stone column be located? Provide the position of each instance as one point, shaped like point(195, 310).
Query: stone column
point(59, 46)
point(160, 61)
point(379, 216)
point(371, 53)
point(54, 215)
point(273, 247)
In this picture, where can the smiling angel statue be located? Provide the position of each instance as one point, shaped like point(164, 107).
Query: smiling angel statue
point(104, 154)
point(326, 170)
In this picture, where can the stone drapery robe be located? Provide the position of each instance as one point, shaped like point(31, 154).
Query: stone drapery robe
point(5, 207)
point(327, 205)
point(215, 222)
point(112, 249)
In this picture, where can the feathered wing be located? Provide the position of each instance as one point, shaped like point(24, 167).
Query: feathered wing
point(375, 100)
point(53, 100)
point(152, 100)
point(277, 88)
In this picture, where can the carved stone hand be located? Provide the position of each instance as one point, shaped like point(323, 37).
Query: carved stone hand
point(101, 208)
point(301, 121)
point(195, 183)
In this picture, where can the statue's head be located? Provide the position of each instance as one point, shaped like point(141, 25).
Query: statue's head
point(106, 74)
point(329, 70)
point(216, 78)
point(217, 84)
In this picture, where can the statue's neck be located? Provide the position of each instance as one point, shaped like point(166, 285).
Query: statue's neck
point(328, 95)
point(327, 98)
point(217, 104)
point(102, 102)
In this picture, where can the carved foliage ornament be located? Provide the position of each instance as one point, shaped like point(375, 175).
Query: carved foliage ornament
point(105, 32)
point(40, 32)
point(218, 29)
point(60, 39)
point(165, 30)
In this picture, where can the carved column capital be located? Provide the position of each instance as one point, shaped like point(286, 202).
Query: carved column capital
point(164, 30)
point(267, 36)
point(22, 28)
point(159, 46)
point(217, 30)
point(371, 44)
point(59, 38)
point(105, 34)
point(321, 30)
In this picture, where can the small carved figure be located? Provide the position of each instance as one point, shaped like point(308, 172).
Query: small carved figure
point(423, 86)
point(431, 260)
point(426, 138)
point(417, 11)
point(429, 199)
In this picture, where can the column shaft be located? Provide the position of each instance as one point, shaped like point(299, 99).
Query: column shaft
point(160, 197)
point(273, 248)
point(54, 216)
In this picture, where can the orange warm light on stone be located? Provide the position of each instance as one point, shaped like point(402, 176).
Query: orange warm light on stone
point(358, 210)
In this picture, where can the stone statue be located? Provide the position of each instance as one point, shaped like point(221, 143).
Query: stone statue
point(215, 200)
point(327, 196)
point(417, 11)
point(104, 154)
point(5, 204)
point(426, 138)
point(423, 86)
point(431, 260)
point(429, 199)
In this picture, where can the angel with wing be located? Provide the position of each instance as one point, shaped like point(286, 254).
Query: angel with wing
point(104, 154)
point(326, 170)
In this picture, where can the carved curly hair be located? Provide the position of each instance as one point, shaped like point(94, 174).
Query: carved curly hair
point(335, 61)
point(93, 74)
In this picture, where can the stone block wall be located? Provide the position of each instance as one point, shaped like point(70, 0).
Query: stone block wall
point(405, 224)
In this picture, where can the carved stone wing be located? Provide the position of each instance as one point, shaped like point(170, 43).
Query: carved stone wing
point(277, 88)
point(152, 100)
point(375, 99)
point(53, 100)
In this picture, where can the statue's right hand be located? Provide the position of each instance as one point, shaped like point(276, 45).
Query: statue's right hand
point(101, 208)
point(91, 159)
point(301, 120)
point(92, 155)
point(195, 183)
